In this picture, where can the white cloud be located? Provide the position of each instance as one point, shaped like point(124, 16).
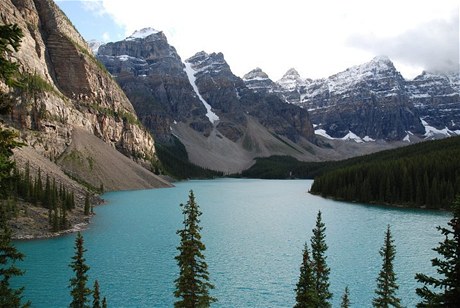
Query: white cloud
point(433, 45)
point(312, 36)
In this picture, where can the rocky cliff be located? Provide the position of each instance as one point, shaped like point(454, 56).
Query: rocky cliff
point(372, 101)
point(65, 88)
point(201, 98)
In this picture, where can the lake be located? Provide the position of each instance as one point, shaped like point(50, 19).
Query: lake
point(254, 232)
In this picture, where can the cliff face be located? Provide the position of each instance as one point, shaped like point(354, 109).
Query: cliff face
point(66, 88)
point(203, 103)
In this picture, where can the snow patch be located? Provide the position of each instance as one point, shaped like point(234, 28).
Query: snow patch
point(143, 33)
point(192, 79)
point(368, 139)
point(431, 131)
point(322, 132)
point(407, 138)
point(352, 136)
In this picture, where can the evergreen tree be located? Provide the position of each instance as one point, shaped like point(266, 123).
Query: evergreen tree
point(79, 290)
point(320, 269)
point(87, 205)
point(305, 288)
point(104, 302)
point(386, 281)
point(96, 295)
point(192, 285)
point(345, 299)
point(9, 255)
point(10, 40)
point(448, 267)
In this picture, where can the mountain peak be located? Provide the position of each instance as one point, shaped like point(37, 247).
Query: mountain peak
point(292, 73)
point(142, 33)
point(256, 73)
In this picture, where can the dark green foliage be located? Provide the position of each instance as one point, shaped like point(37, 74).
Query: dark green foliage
point(174, 161)
point(192, 285)
point(320, 269)
point(305, 288)
point(284, 167)
point(7, 144)
point(87, 207)
point(10, 40)
point(96, 295)
point(425, 174)
point(312, 290)
point(345, 303)
point(79, 290)
point(9, 255)
point(57, 201)
point(447, 266)
point(386, 281)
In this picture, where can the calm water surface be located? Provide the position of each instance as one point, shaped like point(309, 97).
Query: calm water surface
point(254, 231)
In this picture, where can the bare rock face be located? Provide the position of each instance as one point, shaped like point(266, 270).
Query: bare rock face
point(437, 98)
point(164, 91)
point(152, 74)
point(66, 87)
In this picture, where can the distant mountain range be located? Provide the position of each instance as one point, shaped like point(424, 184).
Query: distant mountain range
point(214, 112)
point(371, 101)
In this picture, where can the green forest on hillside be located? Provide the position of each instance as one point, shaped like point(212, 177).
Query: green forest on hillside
point(422, 175)
point(425, 174)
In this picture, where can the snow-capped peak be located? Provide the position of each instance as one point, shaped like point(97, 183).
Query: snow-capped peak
point(291, 80)
point(256, 73)
point(142, 33)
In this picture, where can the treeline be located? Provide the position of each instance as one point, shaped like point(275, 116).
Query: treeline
point(422, 175)
point(40, 191)
point(174, 162)
point(284, 167)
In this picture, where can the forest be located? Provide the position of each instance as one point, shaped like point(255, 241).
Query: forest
point(426, 175)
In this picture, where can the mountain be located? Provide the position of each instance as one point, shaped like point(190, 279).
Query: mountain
point(201, 102)
point(436, 96)
point(68, 96)
point(372, 101)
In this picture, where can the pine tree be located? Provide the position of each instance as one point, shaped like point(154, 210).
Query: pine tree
point(305, 288)
point(79, 290)
point(448, 267)
point(96, 295)
point(9, 255)
point(192, 285)
point(386, 281)
point(345, 299)
point(87, 205)
point(104, 303)
point(320, 269)
point(10, 36)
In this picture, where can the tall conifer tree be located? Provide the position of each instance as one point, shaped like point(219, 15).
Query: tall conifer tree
point(192, 285)
point(386, 281)
point(96, 295)
point(79, 290)
point(320, 269)
point(447, 266)
point(305, 289)
point(9, 255)
point(345, 299)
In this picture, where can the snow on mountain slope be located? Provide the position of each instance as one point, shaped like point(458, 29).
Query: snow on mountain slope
point(140, 34)
point(191, 77)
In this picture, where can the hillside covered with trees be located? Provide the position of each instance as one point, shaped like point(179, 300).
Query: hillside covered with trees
point(422, 175)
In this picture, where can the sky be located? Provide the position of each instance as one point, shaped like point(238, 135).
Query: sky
point(317, 38)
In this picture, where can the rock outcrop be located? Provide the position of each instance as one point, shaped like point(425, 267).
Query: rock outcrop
point(373, 101)
point(202, 93)
point(66, 88)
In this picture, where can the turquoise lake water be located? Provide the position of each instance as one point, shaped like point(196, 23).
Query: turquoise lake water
point(254, 232)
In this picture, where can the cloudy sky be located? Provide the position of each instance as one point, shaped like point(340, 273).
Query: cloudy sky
point(318, 38)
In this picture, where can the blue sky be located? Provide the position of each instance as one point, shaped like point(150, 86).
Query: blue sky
point(318, 38)
point(90, 23)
